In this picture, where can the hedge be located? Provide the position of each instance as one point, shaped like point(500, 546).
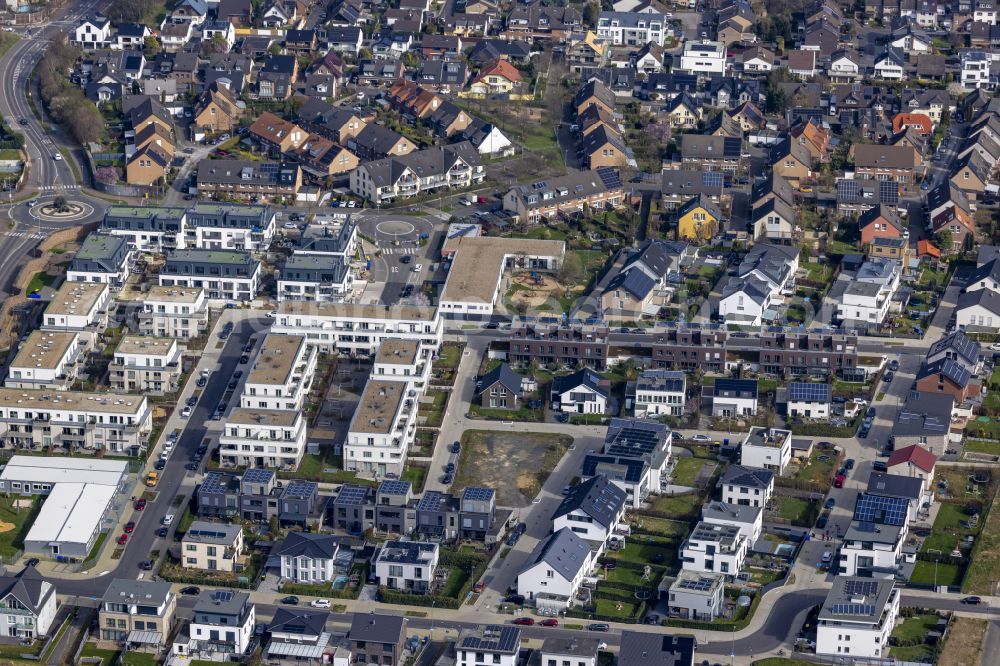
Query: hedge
point(640, 610)
point(463, 561)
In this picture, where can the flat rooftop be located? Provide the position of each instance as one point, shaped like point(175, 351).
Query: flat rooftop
point(70, 514)
point(357, 311)
point(165, 294)
point(377, 409)
point(283, 418)
point(108, 403)
point(99, 246)
point(76, 298)
point(402, 352)
point(198, 255)
point(140, 344)
point(768, 437)
point(58, 469)
point(478, 263)
point(276, 360)
point(44, 349)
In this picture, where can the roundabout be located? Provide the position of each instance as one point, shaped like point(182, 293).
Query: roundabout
point(388, 230)
point(60, 212)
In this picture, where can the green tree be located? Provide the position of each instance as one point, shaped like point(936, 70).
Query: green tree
point(590, 13)
point(944, 240)
point(151, 45)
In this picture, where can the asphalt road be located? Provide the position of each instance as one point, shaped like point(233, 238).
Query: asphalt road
point(142, 540)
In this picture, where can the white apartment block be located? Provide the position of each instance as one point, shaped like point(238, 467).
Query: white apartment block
point(767, 448)
point(631, 28)
point(405, 360)
point(660, 393)
point(975, 72)
point(46, 360)
point(349, 328)
point(704, 57)
point(746, 486)
point(146, 365)
point(210, 226)
point(857, 618)
point(212, 546)
point(696, 596)
point(174, 312)
point(282, 374)
point(80, 307)
point(33, 419)
point(865, 303)
point(382, 429)
point(713, 548)
point(263, 438)
point(406, 565)
point(872, 550)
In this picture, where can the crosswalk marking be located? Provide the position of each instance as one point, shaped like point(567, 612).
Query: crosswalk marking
point(399, 250)
point(53, 188)
point(24, 234)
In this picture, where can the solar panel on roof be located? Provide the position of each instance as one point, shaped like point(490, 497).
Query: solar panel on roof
point(394, 487)
point(712, 179)
point(351, 495)
point(863, 587)
point(888, 191)
point(300, 488)
point(881, 509)
point(478, 494)
point(268, 167)
point(810, 392)
point(258, 475)
point(847, 189)
point(609, 177)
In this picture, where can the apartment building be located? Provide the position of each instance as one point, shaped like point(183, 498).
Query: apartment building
point(146, 365)
point(130, 608)
point(384, 180)
point(567, 346)
point(212, 547)
point(350, 328)
point(147, 228)
point(314, 278)
point(102, 258)
point(407, 566)
point(211, 226)
point(221, 627)
point(660, 393)
point(546, 199)
point(382, 429)
point(174, 312)
point(857, 618)
point(225, 275)
point(282, 374)
point(263, 438)
point(77, 421)
point(80, 307)
point(46, 360)
point(767, 448)
point(631, 28)
point(247, 179)
point(406, 360)
point(715, 548)
point(704, 58)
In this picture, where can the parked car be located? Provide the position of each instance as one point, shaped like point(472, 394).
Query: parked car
point(244, 359)
point(880, 466)
point(140, 504)
point(129, 527)
point(168, 519)
point(524, 621)
point(700, 438)
point(162, 532)
point(449, 468)
point(821, 521)
point(829, 503)
point(192, 401)
point(456, 447)
point(598, 626)
point(849, 463)
point(447, 479)
point(146, 565)
point(894, 365)
point(191, 590)
point(562, 418)
point(972, 601)
point(320, 603)
point(888, 378)
point(186, 412)
point(202, 381)
point(122, 540)
point(160, 464)
point(550, 622)
point(290, 601)
point(516, 599)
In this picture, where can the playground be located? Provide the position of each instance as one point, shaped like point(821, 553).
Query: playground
point(537, 291)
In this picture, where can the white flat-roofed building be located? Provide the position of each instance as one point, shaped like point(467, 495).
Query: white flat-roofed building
point(174, 312)
point(263, 438)
point(37, 475)
point(382, 429)
point(748, 519)
point(406, 565)
point(872, 550)
point(405, 360)
point(33, 419)
point(144, 364)
point(631, 28)
point(696, 596)
point(227, 276)
point(703, 57)
point(767, 448)
point(350, 328)
point(282, 374)
point(559, 651)
point(80, 307)
point(660, 393)
point(215, 226)
point(212, 546)
point(102, 258)
point(46, 360)
point(857, 618)
point(315, 278)
point(715, 548)
point(70, 520)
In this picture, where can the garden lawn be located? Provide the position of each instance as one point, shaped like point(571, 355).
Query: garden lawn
point(12, 540)
point(948, 529)
point(679, 505)
point(910, 634)
point(947, 574)
point(984, 563)
point(108, 656)
point(799, 511)
point(687, 468)
point(138, 659)
point(433, 411)
point(982, 446)
point(416, 475)
point(40, 279)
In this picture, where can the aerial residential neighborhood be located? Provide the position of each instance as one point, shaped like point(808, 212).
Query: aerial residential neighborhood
point(517, 332)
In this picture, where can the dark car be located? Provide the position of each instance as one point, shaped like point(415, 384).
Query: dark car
point(863, 433)
point(829, 503)
point(407, 291)
point(160, 464)
point(248, 347)
point(405, 259)
point(192, 401)
point(894, 365)
point(598, 626)
point(972, 601)
point(449, 468)
point(146, 565)
point(512, 538)
point(33, 562)
point(161, 532)
point(446, 479)
point(238, 374)
point(525, 621)
point(191, 590)
point(871, 413)
point(849, 463)
point(516, 599)
point(202, 381)
point(562, 418)
point(880, 466)
point(234, 383)
point(129, 527)
point(888, 377)
point(456, 447)
point(201, 450)
point(244, 359)
point(191, 467)
point(821, 522)
point(842, 471)
point(550, 622)
point(290, 601)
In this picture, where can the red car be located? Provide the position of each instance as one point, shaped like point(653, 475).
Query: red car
point(526, 621)
point(140, 504)
point(129, 527)
point(550, 622)
point(122, 539)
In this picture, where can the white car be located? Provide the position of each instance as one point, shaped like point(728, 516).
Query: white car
point(168, 519)
point(186, 412)
point(361, 95)
point(272, 314)
point(995, 346)
point(700, 438)
point(57, 157)
point(418, 267)
point(290, 225)
point(320, 603)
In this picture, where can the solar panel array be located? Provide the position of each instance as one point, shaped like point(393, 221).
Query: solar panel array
point(299, 488)
point(477, 494)
point(222, 595)
point(863, 587)
point(881, 510)
point(713, 178)
point(495, 638)
point(609, 177)
point(888, 191)
point(853, 609)
point(810, 392)
point(394, 487)
point(847, 189)
point(268, 167)
point(628, 440)
point(214, 483)
point(258, 475)
point(431, 501)
point(699, 585)
point(351, 495)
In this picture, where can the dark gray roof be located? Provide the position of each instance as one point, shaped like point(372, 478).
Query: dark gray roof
point(895, 485)
point(144, 592)
point(725, 511)
point(597, 497)
point(305, 544)
point(957, 345)
point(946, 367)
point(505, 375)
point(744, 388)
point(633, 281)
point(584, 377)
point(924, 414)
point(737, 475)
point(856, 599)
point(222, 602)
point(377, 628)
point(628, 469)
point(27, 586)
point(649, 649)
point(982, 297)
point(991, 270)
point(302, 621)
point(564, 551)
point(495, 638)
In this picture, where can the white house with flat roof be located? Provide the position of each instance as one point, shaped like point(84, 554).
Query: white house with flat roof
point(46, 360)
point(263, 438)
point(703, 57)
point(872, 550)
point(352, 328)
point(144, 364)
point(80, 307)
point(382, 429)
point(857, 618)
point(216, 226)
point(406, 360)
point(715, 548)
point(696, 595)
point(767, 448)
point(747, 519)
point(74, 420)
point(282, 374)
point(174, 312)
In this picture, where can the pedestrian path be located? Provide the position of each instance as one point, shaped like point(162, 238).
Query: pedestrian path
point(25, 234)
point(56, 188)
point(400, 250)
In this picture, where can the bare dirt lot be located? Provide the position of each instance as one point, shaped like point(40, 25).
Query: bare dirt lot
point(964, 646)
point(516, 464)
point(534, 294)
